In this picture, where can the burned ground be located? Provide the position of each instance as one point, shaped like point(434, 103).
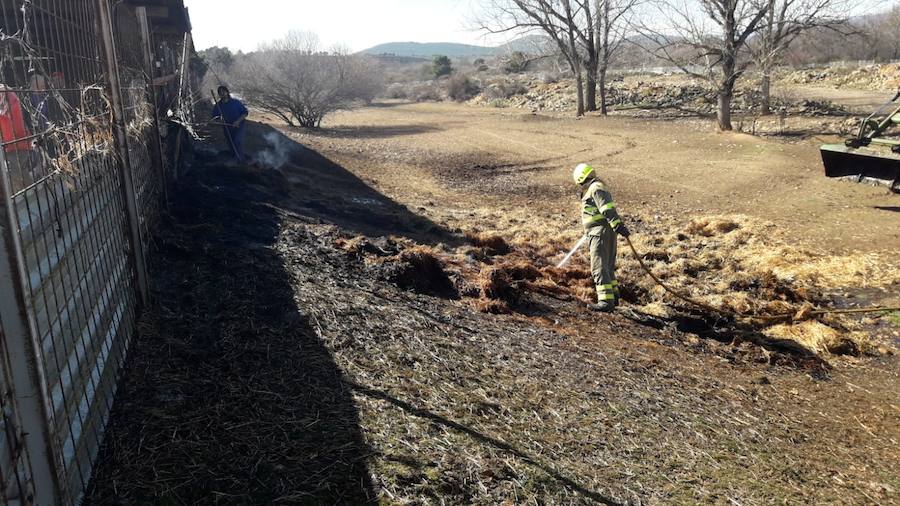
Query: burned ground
point(276, 365)
point(230, 396)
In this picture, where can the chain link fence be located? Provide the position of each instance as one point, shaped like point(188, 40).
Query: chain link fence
point(82, 176)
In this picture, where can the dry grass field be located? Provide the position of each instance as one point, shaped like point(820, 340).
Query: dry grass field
point(384, 311)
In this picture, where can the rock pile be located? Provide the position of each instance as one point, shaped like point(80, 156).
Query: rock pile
point(879, 77)
point(693, 97)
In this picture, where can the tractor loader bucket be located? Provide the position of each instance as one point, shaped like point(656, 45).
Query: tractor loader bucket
point(841, 161)
point(872, 153)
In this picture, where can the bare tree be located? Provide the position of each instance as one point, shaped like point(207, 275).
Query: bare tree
point(884, 31)
point(576, 62)
point(554, 18)
point(784, 21)
point(605, 28)
point(707, 39)
point(588, 33)
point(300, 83)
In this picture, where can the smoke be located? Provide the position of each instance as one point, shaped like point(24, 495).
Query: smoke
point(279, 151)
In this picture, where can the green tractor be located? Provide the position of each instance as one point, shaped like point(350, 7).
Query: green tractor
point(872, 154)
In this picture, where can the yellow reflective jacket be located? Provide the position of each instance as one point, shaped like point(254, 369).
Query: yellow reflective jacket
point(598, 209)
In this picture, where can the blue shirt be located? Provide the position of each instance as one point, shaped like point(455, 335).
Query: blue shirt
point(229, 111)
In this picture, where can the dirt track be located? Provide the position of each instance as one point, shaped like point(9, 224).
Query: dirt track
point(277, 367)
point(669, 170)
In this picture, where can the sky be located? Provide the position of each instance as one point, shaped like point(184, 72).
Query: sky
point(357, 24)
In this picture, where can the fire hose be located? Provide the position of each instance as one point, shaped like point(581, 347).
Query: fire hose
point(735, 314)
point(727, 312)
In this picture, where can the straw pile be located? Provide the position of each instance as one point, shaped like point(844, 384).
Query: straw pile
point(735, 263)
point(730, 262)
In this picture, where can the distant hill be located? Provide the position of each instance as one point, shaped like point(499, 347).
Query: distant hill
point(530, 44)
point(429, 49)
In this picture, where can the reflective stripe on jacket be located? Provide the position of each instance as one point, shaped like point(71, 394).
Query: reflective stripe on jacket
point(598, 208)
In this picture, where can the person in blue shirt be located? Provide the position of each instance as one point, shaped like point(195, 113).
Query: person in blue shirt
point(232, 113)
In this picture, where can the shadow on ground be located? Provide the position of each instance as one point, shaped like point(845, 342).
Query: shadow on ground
point(321, 189)
point(486, 440)
point(228, 394)
point(379, 131)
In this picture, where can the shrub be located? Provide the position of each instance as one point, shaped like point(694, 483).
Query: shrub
point(516, 63)
point(549, 78)
point(301, 84)
point(503, 89)
point(460, 88)
point(397, 91)
point(425, 92)
point(441, 66)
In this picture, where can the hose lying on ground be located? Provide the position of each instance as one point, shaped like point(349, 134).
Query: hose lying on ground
point(767, 318)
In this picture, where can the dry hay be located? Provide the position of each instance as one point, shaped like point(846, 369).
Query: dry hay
point(492, 244)
point(737, 263)
point(492, 306)
point(495, 284)
point(734, 262)
point(501, 286)
point(821, 338)
point(708, 227)
point(730, 262)
point(360, 246)
point(418, 269)
point(467, 272)
point(567, 276)
point(658, 309)
point(860, 270)
point(520, 270)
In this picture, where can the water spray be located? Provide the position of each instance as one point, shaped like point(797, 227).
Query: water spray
point(565, 260)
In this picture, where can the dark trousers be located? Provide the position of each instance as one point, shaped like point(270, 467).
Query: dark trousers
point(235, 139)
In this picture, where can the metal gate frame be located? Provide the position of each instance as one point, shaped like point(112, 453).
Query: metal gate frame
point(27, 376)
point(95, 232)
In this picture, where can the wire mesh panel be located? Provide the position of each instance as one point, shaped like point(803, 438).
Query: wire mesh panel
point(15, 478)
point(68, 214)
point(190, 93)
point(177, 94)
point(139, 111)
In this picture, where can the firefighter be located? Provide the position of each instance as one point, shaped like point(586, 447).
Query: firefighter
point(601, 224)
point(233, 115)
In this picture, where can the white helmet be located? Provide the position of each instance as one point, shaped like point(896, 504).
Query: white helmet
point(582, 172)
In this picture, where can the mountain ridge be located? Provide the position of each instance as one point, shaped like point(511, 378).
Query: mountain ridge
point(451, 49)
point(428, 49)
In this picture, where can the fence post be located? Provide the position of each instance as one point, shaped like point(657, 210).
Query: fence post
point(19, 330)
point(121, 143)
point(184, 80)
point(147, 44)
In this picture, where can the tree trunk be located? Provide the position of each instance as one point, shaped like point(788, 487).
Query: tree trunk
point(602, 85)
point(768, 47)
point(726, 92)
point(724, 114)
point(574, 59)
point(765, 89)
point(591, 91)
point(579, 91)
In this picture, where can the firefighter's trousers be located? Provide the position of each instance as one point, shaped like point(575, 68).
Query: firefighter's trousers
point(602, 241)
